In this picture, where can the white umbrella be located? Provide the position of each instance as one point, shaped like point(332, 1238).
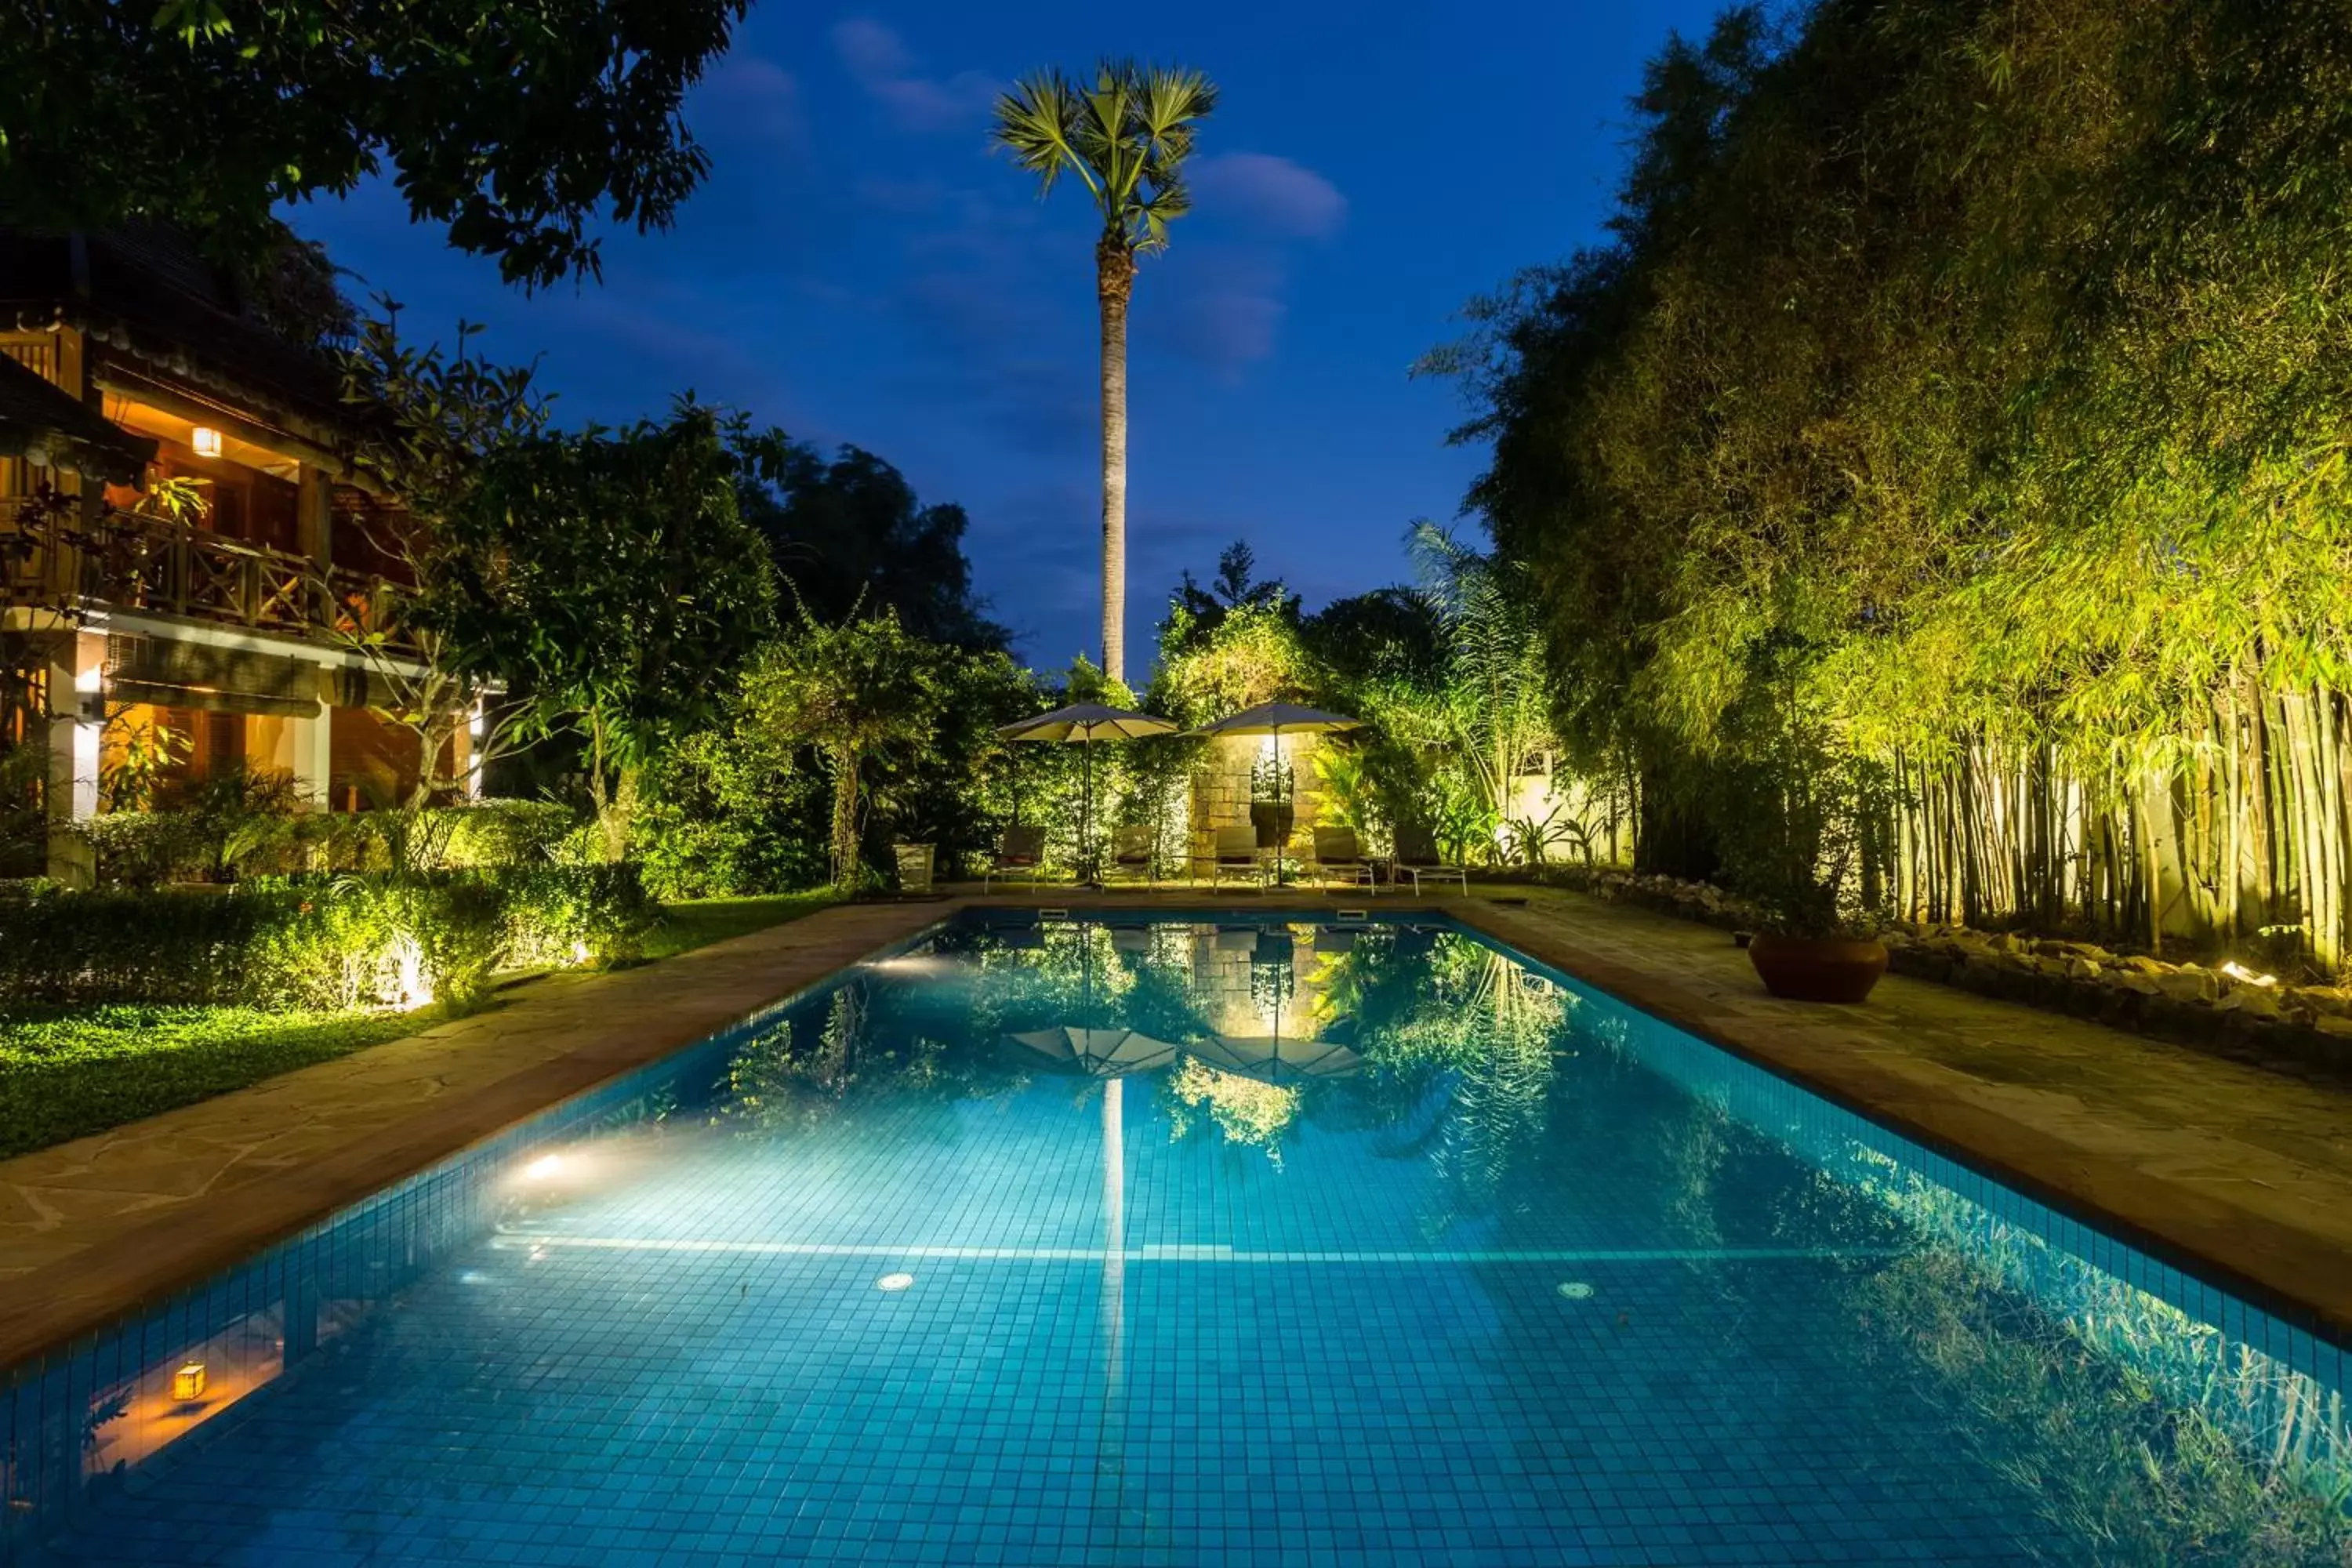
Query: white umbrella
point(1084, 723)
point(1278, 720)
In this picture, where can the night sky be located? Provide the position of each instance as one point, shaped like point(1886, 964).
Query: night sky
point(860, 268)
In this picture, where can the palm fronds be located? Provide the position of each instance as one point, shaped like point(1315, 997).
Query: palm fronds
point(1124, 134)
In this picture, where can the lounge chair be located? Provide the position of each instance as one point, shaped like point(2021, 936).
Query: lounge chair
point(1019, 857)
point(1130, 855)
point(1234, 853)
point(1339, 858)
point(1417, 861)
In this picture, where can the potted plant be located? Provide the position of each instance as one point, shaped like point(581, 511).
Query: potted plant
point(1795, 824)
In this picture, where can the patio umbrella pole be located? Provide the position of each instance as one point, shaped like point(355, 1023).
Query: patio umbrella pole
point(1283, 794)
point(1078, 721)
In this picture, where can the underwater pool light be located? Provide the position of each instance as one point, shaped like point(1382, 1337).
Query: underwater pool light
point(894, 1282)
point(546, 1165)
point(1576, 1289)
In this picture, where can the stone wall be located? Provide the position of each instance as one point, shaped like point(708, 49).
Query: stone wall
point(1220, 788)
point(1249, 982)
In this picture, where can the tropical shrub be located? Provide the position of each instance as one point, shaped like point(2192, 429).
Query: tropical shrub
point(726, 812)
point(846, 689)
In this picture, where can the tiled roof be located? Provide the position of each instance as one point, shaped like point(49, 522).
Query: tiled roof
point(149, 295)
point(41, 421)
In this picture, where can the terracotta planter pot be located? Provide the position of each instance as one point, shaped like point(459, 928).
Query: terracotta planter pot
point(1817, 969)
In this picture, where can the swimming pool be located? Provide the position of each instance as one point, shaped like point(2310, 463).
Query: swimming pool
point(1193, 1239)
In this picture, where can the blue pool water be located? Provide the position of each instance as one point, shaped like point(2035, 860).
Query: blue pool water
point(1201, 1240)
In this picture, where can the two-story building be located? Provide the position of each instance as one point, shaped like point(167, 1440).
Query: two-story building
point(219, 622)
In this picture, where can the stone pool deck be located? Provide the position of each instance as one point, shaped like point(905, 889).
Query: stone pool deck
point(2245, 1175)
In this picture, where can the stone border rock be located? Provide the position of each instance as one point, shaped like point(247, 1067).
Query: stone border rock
point(2302, 1030)
point(2306, 1030)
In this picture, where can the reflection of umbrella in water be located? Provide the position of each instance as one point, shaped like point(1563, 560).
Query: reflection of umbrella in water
point(1270, 1059)
point(1110, 1055)
point(1098, 1053)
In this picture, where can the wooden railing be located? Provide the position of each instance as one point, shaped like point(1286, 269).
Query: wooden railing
point(50, 558)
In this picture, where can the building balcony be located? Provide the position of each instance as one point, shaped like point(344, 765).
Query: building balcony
point(50, 559)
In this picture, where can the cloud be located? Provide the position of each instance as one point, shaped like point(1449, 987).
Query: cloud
point(746, 93)
point(881, 64)
point(1274, 193)
point(1223, 305)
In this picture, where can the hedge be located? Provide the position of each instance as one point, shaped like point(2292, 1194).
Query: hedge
point(325, 941)
point(223, 842)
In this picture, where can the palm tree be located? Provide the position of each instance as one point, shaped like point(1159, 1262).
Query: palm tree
point(1126, 138)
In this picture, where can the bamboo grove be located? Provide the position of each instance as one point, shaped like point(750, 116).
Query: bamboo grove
point(1965, 383)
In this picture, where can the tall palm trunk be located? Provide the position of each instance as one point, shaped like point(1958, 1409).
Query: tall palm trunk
point(1114, 283)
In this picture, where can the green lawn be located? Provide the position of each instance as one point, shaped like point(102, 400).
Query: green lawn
point(700, 921)
point(66, 1072)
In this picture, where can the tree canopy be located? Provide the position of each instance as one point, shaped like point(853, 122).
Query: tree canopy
point(848, 532)
point(514, 125)
point(610, 575)
point(1974, 378)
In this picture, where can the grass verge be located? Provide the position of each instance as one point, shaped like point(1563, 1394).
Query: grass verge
point(698, 923)
point(68, 1072)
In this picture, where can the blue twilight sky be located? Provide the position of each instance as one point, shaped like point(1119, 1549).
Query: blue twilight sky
point(859, 268)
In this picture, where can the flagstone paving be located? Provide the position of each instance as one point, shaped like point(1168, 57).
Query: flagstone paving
point(2186, 1154)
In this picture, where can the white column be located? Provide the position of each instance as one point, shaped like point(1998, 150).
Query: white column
point(308, 754)
point(311, 742)
point(77, 721)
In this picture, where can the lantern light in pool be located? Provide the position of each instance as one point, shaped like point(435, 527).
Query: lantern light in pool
point(188, 1383)
point(207, 441)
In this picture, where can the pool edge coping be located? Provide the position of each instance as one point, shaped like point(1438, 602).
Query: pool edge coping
point(150, 1262)
point(2039, 1167)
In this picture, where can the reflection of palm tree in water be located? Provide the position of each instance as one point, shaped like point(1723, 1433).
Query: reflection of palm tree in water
point(1504, 1081)
point(1464, 1036)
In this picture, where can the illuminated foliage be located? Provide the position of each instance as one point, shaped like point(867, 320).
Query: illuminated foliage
point(849, 689)
point(1990, 358)
point(515, 125)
